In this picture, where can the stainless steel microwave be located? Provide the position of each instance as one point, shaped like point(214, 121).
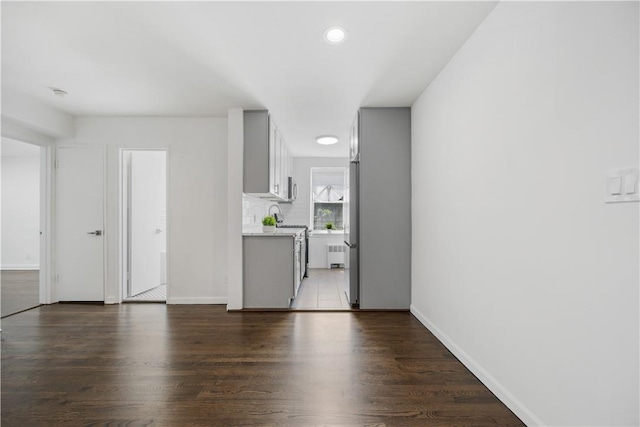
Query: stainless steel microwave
point(292, 189)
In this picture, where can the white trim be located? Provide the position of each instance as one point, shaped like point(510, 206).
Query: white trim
point(197, 300)
point(20, 267)
point(518, 408)
point(46, 224)
point(168, 213)
point(122, 224)
point(105, 228)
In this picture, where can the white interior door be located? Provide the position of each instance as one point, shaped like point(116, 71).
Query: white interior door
point(147, 220)
point(80, 223)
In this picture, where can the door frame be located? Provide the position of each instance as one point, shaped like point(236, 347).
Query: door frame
point(123, 218)
point(105, 231)
point(46, 197)
point(47, 227)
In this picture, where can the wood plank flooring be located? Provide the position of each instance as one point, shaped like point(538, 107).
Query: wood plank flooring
point(194, 365)
point(20, 290)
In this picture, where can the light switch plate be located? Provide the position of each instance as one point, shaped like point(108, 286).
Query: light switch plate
point(621, 186)
point(615, 185)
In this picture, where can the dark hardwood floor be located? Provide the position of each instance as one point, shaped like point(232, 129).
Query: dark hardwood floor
point(194, 365)
point(20, 290)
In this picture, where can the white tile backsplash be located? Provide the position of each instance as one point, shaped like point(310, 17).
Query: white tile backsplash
point(253, 210)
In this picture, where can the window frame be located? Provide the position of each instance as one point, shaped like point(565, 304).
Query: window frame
point(338, 170)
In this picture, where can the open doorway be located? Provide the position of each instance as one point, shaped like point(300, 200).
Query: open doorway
point(144, 216)
point(20, 228)
point(324, 289)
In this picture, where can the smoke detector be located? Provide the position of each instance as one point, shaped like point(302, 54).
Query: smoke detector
point(59, 92)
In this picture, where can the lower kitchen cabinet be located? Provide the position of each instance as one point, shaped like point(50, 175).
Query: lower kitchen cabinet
point(268, 271)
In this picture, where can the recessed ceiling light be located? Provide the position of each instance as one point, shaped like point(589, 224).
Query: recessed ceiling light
point(326, 140)
point(59, 92)
point(335, 35)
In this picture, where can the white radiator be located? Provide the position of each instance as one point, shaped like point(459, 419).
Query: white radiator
point(335, 255)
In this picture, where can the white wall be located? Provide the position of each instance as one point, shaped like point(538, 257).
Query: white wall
point(196, 203)
point(20, 206)
point(27, 120)
point(30, 120)
point(235, 148)
point(318, 247)
point(518, 265)
point(298, 212)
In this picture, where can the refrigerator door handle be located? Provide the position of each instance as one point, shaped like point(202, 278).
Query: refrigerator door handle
point(351, 245)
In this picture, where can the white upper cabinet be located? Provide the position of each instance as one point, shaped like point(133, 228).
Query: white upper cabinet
point(354, 146)
point(284, 169)
point(266, 157)
point(273, 161)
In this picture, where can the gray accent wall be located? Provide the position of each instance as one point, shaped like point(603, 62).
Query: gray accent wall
point(385, 208)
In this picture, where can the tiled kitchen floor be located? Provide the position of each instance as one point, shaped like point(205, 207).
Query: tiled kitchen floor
point(324, 289)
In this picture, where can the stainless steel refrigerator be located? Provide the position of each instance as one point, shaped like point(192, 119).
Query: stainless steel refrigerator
point(352, 225)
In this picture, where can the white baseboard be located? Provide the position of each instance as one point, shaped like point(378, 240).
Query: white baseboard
point(485, 377)
point(197, 300)
point(20, 267)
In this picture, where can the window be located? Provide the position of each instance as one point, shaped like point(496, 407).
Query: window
point(327, 197)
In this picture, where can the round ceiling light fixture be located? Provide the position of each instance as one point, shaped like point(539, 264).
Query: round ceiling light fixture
point(326, 140)
point(335, 35)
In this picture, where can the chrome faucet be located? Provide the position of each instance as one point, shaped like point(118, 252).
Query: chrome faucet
point(279, 211)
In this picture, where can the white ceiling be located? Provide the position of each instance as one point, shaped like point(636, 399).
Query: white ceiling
point(201, 58)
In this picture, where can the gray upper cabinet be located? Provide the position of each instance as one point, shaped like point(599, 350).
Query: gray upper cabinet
point(266, 157)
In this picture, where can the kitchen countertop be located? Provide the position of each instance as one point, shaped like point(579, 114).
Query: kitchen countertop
point(280, 232)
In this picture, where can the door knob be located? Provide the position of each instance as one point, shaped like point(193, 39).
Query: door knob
point(97, 232)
